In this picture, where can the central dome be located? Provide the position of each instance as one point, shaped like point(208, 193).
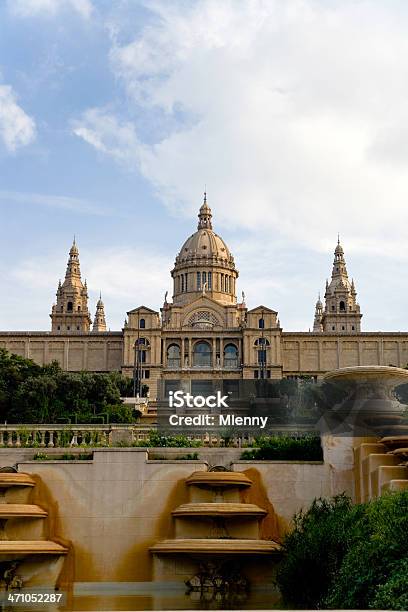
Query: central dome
point(204, 264)
point(205, 243)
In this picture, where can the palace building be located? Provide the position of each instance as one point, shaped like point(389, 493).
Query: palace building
point(204, 332)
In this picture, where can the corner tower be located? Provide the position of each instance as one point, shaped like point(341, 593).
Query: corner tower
point(99, 324)
point(71, 313)
point(342, 312)
point(204, 265)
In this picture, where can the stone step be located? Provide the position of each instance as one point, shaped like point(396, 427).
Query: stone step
point(219, 509)
point(15, 480)
point(219, 479)
point(8, 511)
point(216, 546)
point(31, 547)
point(395, 485)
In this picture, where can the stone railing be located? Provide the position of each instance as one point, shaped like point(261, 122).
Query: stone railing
point(49, 436)
point(71, 435)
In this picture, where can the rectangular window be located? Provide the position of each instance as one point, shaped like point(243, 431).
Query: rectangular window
point(204, 278)
point(145, 373)
point(262, 356)
point(222, 282)
point(182, 283)
point(210, 280)
point(185, 284)
point(198, 281)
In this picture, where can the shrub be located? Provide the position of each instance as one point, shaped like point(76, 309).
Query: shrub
point(393, 594)
point(313, 551)
point(156, 440)
point(349, 557)
point(290, 448)
point(41, 457)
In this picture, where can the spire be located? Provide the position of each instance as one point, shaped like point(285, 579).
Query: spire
point(341, 312)
point(99, 324)
point(204, 215)
point(71, 310)
point(73, 272)
point(317, 323)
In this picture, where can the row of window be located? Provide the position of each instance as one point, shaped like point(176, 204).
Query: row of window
point(204, 279)
point(202, 355)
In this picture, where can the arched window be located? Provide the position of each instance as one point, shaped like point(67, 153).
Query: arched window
point(79, 308)
point(69, 306)
point(142, 324)
point(173, 356)
point(202, 356)
point(261, 323)
point(182, 283)
point(209, 281)
point(230, 356)
point(204, 275)
point(342, 305)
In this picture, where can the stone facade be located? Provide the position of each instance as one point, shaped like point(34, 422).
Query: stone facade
point(204, 332)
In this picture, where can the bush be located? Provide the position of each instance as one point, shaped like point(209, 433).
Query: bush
point(46, 394)
point(393, 594)
point(348, 557)
point(290, 448)
point(156, 440)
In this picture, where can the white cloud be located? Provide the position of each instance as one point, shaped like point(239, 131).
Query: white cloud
point(293, 114)
point(29, 8)
point(104, 132)
point(17, 129)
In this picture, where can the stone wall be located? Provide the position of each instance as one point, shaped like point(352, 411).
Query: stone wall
point(112, 508)
point(97, 352)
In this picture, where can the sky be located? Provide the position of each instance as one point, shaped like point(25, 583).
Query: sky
point(115, 116)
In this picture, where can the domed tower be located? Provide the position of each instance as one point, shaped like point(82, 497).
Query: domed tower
point(99, 324)
point(342, 312)
point(70, 313)
point(204, 265)
point(317, 323)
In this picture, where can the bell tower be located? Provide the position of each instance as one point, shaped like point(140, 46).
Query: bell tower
point(342, 312)
point(99, 324)
point(70, 313)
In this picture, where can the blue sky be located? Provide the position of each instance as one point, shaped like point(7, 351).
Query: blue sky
point(114, 116)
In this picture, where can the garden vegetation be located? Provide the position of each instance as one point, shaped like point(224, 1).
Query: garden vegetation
point(30, 393)
point(346, 556)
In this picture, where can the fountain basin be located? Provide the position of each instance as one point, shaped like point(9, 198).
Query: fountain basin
point(386, 375)
point(8, 511)
point(15, 480)
point(219, 509)
point(219, 479)
point(394, 442)
point(215, 546)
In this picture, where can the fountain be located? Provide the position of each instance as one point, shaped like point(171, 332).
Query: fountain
point(370, 411)
point(370, 406)
point(216, 549)
point(27, 556)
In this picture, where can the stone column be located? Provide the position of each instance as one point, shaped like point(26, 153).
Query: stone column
point(214, 352)
point(190, 353)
